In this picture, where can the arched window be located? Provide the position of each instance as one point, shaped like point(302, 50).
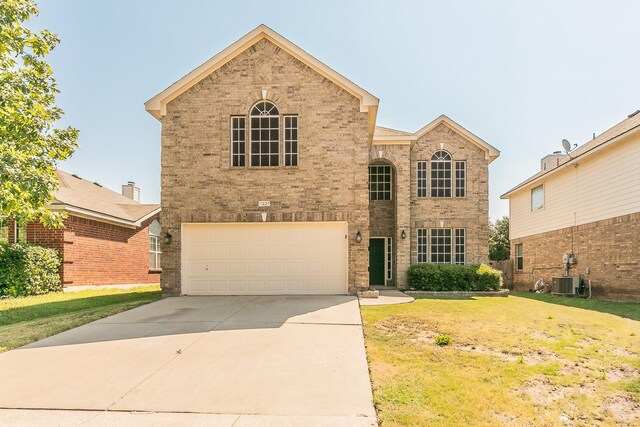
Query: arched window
point(441, 174)
point(154, 245)
point(265, 134)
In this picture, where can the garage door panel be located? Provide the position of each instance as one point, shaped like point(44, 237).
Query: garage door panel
point(265, 258)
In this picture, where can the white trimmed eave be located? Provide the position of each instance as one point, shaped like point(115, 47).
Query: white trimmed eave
point(526, 185)
point(97, 216)
point(157, 106)
point(490, 152)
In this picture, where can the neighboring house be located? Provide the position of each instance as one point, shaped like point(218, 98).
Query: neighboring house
point(585, 204)
point(107, 238)
point(276, 180)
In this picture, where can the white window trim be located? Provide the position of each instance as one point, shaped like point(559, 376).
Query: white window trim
point(541, 187)
point(455, 178)
point(237, 116)
point(426, 179)
point(156, 253)
point(390, 182)
point(451, 178)
point(428, 251)
point(279, 117)
point(284, 141)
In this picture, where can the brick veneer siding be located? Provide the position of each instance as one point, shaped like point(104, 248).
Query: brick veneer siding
point(97, 253)
point(608, 248)
point(330, 183)
point(411, 212)
point(470, 212)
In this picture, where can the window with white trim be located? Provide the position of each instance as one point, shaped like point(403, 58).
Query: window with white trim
point(519, 257)
point(389, 258)
point(422, 178)
point(19, 232)
point(380, 182)
point(291, 140)
point(238, 141)
point(441, 174)
point(460, 246)
point(440, 245)
point(422, 245)
point(537, 198)
point(265, 134)
point(4, 231)
point(154, 245)
point(461, 179)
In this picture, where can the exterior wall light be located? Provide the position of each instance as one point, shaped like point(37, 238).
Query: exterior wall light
point(403, 235)
point(167, 238)
point(358, 237)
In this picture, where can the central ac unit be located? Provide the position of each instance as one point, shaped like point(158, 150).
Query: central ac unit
point(565, 285)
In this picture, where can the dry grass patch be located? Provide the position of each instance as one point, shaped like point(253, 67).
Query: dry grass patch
point(512, 361)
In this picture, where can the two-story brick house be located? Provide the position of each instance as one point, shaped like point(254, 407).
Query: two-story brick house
point(276, 180)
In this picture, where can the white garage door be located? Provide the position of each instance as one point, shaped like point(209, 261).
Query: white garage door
point(264, 258)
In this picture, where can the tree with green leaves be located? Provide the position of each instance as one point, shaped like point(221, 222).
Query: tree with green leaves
point(499, 239)
point(30, 144)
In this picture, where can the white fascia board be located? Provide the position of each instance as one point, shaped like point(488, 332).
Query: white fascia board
point(157, 106)
point(573, 161)
point(96, 216)
point(491, 152)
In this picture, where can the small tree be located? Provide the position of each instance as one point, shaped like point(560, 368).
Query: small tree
point(30, 145)
point(499, 239)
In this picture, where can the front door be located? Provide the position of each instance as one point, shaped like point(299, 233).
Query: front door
point(376, 262)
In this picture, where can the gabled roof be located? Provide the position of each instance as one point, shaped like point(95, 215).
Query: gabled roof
point(156, 106)
point(84, 198)
point(491, 152)
point(626, 127)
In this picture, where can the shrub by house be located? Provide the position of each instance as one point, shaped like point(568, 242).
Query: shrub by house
point(452, 277)
point(28, 270)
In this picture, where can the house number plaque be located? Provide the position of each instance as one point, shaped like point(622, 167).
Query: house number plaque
point(264, 203)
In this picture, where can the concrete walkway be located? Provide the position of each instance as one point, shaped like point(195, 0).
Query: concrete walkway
point(388, 297)
point(282, 360)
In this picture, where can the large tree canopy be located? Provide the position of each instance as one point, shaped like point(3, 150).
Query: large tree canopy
point(30, 145)
point(499, 239)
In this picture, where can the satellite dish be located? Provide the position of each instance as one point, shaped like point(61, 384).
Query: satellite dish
point(566, 145)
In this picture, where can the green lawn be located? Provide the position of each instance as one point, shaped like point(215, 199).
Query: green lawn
point(28, 319)
point(513, 361)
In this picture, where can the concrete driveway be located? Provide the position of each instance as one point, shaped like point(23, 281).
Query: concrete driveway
point(274, 360)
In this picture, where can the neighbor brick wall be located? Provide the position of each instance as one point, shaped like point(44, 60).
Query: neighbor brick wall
point(97, 253)
point(470, 212)
point(330, 183)
point(608, 248)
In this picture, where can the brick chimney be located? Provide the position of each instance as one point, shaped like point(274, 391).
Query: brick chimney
point(131, 191)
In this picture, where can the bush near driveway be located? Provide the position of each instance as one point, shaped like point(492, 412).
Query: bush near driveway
point(452, 277)
point(28, 270)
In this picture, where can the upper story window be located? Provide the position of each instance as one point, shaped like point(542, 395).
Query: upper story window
point(447, 178)
point(422, 178)
point(461, 179)
point(537, 198)
point(264, 121)
point(380, 182)
point(263, 130)
point(238, 141)
point(154, 245)
point(441, 174)
point(291, 140)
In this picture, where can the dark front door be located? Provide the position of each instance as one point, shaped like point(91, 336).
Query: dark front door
point(376, 262)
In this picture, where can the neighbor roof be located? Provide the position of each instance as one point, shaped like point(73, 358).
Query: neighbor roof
point(626, 127)
point(88, 199)
point(157, 106)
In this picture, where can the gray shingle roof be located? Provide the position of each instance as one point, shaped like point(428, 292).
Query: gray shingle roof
point(80, 193)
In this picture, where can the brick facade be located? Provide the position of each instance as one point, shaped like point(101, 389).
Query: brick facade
point(97, 253)
point(330, 183)
point(608, 249)
point(408, 212)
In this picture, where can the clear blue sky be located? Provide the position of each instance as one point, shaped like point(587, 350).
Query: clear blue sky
point(522, 75)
